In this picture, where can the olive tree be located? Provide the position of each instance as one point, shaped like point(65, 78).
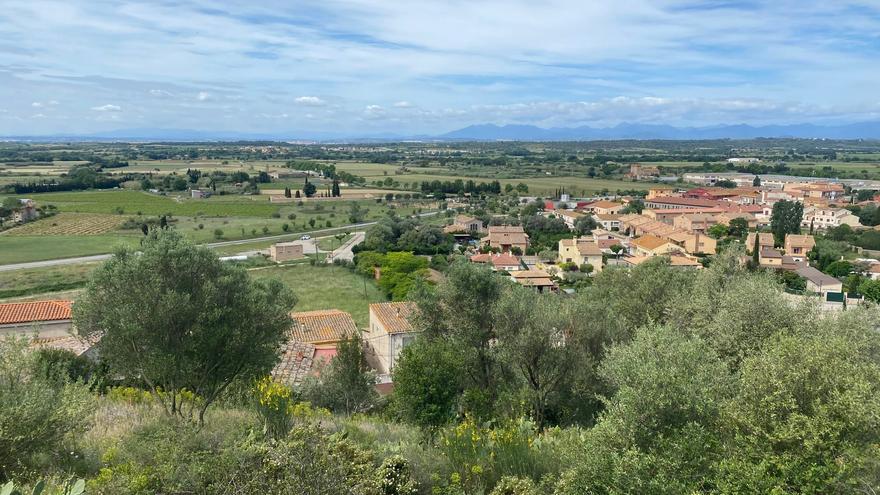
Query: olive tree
point(182, 321)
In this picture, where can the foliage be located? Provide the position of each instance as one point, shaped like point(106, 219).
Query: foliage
point(395, 477)
point(206, 323)
point(346, 384)
point(400, 271)
point(40, 412)
point(41, 488)
point(427, 383)
point(786, 219)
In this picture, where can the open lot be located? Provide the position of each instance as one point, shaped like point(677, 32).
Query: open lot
point(327, 287)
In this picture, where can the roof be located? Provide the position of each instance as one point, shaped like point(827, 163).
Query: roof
point(607, 243)
point(466, 219)
point(589, 248)
point(26, 312)
point(817, 277)
point(604, 204)
point(800, 240)
point(394, 316)
point(74, 344)
point(504, 259)
point(674, 200)
point(507, 234)
point(767, 252)
point(608, 217)
point(295, 363)
point(324, 326)
point(532, 278)
point(648, 242)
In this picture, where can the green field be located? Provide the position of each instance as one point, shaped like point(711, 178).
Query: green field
point(327, 287)
point(134, 202)
point(21, 249)
point(20, 283)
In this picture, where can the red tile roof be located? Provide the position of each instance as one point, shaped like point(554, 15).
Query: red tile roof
point(26, 312)
point(295, 364)
point(324, 326)
point(394, 316)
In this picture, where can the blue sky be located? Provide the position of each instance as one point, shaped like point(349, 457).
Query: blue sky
point(410, 67)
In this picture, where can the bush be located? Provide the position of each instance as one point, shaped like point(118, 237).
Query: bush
point(39, 413)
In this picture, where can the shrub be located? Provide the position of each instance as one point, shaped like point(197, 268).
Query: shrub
point(39, 414)
point(394, 477)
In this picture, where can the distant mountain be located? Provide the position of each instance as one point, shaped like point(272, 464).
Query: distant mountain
point(491, 132)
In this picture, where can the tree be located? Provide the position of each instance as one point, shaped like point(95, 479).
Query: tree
point(634, 206)
point(531, 334)
point(584, 225)
point(182, 321)
point(309, 189)
point(839, 268)
point(756, 251)
point(218, 234)
point(756, 182)
point(336, 192)
point(786, 219)
point(522, 188)
point(163, 222)
point(346, 384)
point(287, 193)
point(427, 383)
point(717, 231)
point(459, 310)
point(297, 195)
point(738, 227)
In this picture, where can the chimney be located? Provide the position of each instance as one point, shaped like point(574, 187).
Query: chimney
point(398, 311)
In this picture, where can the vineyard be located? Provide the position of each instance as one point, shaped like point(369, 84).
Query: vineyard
point(70, 224)
point(134, 202)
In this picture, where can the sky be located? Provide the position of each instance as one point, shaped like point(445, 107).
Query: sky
point(412, 67)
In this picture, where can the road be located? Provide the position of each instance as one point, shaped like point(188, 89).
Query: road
point(344, 251)
point(102, 257)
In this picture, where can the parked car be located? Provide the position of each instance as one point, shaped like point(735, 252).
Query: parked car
point(305, 237)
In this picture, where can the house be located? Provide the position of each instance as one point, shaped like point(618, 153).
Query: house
point(770, 258)
point(726, 217)
point(199, 194)
point(822, 218)
point(668, 215)
point(25, 212)
point(390, 332)
point(819, 282)
point(673, 202)
point(693, 243)
point(70, 343)
point(765, 240)
point(539, 280)
point(465, 224)
point(580, 252)
point(42, 319)
point(697, 223)
point(651, 245)
point(608, 221)
point(499, 262)
point(285, 251)
point(797, 246)
point(323, 329)
point(570, 217)
point(604, 207)
point(506, 237)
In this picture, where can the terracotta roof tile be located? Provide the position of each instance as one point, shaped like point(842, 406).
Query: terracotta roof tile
point(295, 364)
point(324, 326)
point(394, 316)
point(26, 312)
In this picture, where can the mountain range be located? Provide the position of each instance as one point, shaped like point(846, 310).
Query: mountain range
point(492, 132)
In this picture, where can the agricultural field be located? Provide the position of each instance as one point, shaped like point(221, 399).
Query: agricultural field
point(70, 224)
point(327, 287)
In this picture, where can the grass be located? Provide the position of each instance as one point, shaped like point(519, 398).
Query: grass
point(70, 224)
point(539, 185)
point(331, 243)
point(131, 202)
point(21, 249)
point(327, 287)
point(20, 283)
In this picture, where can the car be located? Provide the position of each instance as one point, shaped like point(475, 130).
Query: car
point(305, 237)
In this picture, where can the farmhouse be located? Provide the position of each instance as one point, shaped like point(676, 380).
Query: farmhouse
point(42, 319)
point(390, 331)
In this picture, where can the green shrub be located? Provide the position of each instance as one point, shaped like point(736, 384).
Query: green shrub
point(39, 415)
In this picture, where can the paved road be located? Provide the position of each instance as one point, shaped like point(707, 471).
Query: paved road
point(102, 257)
point(344, 252)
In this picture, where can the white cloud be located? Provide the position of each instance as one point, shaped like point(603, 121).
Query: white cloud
point(203, 95)
point(37, 104)
point(160, 92)
point(403, 104)
point(107, 108)
point(311, 101)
